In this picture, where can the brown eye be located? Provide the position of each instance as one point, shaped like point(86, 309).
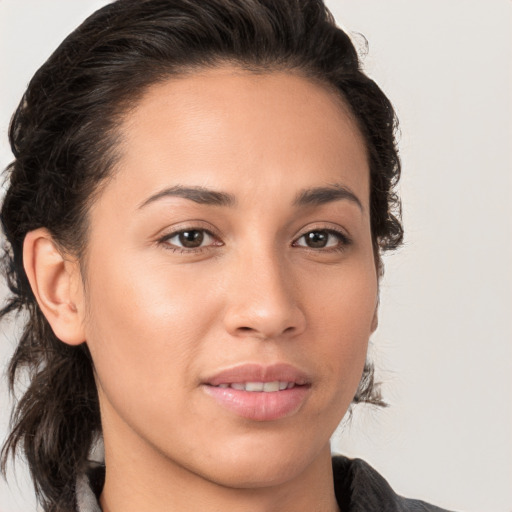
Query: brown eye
point(316, 239)
point(191, 239)
point(322, 239)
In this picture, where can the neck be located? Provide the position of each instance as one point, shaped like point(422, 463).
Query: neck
point(143, 479)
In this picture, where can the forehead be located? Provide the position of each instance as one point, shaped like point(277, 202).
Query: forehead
point(233, 129)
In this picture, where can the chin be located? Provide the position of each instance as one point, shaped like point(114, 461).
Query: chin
point(253, 475)
point(262, 466)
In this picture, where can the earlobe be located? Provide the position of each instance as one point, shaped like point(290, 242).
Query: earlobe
point(56, 284)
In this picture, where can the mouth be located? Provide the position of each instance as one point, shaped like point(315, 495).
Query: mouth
point(258, 392)
point(262, 387)
point(257, 377)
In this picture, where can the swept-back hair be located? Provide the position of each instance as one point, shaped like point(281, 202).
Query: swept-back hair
point(64, 138)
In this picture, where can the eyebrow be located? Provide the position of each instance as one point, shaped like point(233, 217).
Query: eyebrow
point(316, 196)
point(199, 195)
point(321, 195)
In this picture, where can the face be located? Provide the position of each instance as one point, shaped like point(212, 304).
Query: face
point(231, 285)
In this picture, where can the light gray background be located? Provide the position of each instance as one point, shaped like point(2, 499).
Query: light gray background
point(444, 341)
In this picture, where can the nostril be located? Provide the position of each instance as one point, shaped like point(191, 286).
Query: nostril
point(253, 331)
point(264, 321)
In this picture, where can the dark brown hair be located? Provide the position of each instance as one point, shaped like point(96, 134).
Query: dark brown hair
point(63, 136)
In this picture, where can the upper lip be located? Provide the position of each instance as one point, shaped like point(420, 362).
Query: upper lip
point(254, 372)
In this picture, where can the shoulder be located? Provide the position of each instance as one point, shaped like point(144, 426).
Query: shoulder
point(360, 488)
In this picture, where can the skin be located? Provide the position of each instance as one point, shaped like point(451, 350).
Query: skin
point(159, 319)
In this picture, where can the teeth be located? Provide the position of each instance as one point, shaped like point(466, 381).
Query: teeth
point(266, 387)
point(271, 386)
point(254, 386)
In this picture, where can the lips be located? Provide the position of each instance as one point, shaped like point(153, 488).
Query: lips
point(258, 392)
point(265, 387)
point(280, 372)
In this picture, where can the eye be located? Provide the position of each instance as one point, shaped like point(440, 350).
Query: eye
point(322, 239)
point(190, 239)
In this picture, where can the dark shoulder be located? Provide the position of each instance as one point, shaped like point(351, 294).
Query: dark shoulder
point(360, 488)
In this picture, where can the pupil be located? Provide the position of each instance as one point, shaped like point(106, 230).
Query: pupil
point(316, 239)
point(191, 239)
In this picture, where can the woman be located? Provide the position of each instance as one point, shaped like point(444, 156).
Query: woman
point(195, 217)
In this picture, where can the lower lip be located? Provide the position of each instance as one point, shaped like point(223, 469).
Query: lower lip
point(260, 406)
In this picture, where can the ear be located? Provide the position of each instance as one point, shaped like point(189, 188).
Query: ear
point(57, 286)
point(375, 319)
point(379, 268)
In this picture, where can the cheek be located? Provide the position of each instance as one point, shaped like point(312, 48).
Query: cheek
point(341, 312)
point(343, 299)
point(145, 328)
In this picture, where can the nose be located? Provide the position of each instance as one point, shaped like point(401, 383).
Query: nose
point(263, 300)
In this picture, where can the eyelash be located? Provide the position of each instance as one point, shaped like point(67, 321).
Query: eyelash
point(188, 250)
point(343, 241)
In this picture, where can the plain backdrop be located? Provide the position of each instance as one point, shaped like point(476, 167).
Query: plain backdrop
point(444, 344)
